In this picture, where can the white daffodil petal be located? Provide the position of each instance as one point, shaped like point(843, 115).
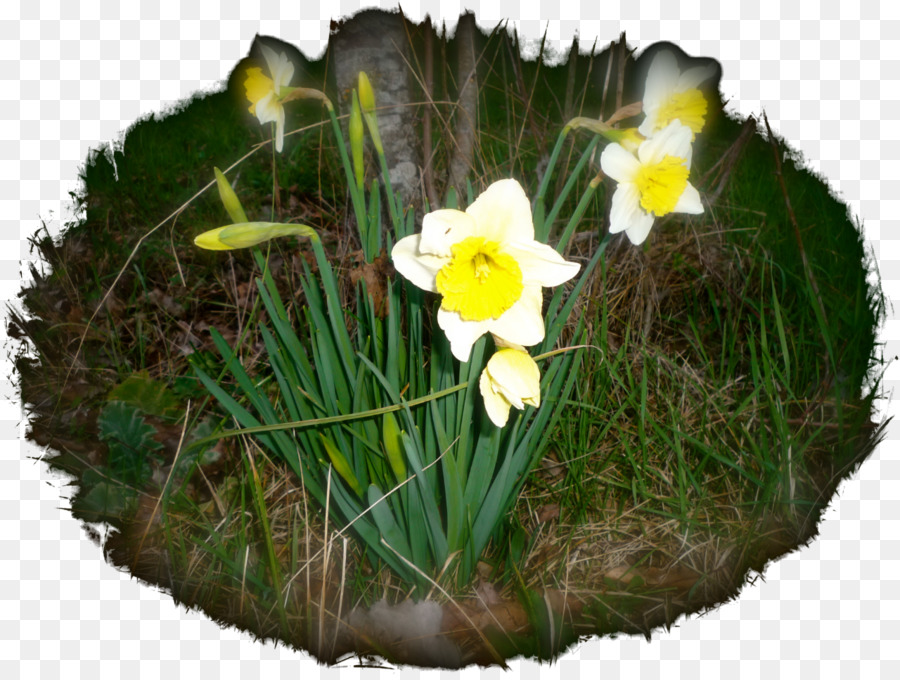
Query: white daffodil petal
point(662, 76)
point(539, 262)
point(663, 70)
point(496, 406)
point(281, 70)
point(694, 76)
point(285, 73)
point(462, 334)
point(271, 57)
point(626, 212)
point(523, 323)
point(618, 163)
point(503, 213)
point(672, 140)
point(442, 228)
point(267, 109)
point(689, 202)
point(419, 268)
point(648, 125)
point(640, 228)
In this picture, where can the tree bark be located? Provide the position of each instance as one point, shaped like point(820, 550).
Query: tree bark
point(465, 116)
point(377, 42)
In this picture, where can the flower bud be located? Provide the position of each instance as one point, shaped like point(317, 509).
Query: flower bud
point(341, 466)
point(392, 439)
point(248, 234)
point(356, 140)
point(229, 198)
point(366, 95)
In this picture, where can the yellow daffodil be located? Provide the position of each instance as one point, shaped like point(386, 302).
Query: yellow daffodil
point(653, 183)
point(487, 267)
point(511, 378)
point(265, 92)
point(671, 95)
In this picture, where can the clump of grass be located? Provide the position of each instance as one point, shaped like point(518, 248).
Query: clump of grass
point(720, 406)
point(711, 428)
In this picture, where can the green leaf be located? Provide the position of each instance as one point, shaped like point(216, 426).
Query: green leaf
point(153, 397)
point(387, 525)
point(130, 441)
point(105, 502)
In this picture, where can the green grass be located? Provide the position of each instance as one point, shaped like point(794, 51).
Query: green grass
point(724, 421)
point(708, 428)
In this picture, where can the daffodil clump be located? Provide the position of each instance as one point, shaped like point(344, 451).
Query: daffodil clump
point(421, 440)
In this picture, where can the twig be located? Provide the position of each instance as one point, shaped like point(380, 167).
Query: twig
point(623, 57)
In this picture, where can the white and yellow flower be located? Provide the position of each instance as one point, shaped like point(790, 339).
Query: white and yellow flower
point(653, 183)
point(265, 93)
point(511, 378)
point(487, 267)
point(671, 95)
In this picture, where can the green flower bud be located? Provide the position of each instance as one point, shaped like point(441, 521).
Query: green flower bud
point(356, 140)
point(229, 198)
point(392, 438)
point(366, 95)
point(248, 234)
point(341, 466)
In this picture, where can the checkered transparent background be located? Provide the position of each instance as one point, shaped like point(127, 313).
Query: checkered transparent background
point(76, 74)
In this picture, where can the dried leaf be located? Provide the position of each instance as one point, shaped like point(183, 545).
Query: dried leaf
point(375, 274)
point(547, 513)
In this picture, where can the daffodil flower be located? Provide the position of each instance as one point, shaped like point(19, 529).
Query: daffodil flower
point(653, 183)
point(671, 95)
point(265, 92)
point(511, 378)
point(487, 267)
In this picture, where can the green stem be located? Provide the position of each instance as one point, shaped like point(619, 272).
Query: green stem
point(567, 188)
point(576, 216)
point(539, 207)
point(393, 209)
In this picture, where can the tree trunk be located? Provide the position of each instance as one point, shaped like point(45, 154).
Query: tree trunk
point(377, 42)
point(465, 116)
